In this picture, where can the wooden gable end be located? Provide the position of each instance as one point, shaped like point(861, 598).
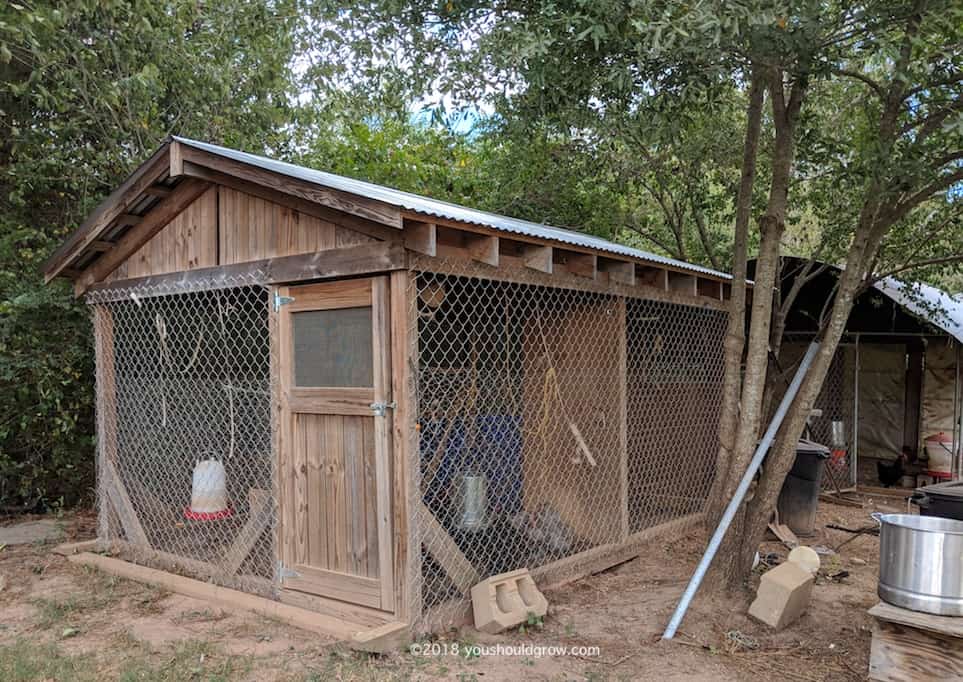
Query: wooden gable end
point(226, 226)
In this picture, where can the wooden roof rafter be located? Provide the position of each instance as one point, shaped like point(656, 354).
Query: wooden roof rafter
point(111, 212)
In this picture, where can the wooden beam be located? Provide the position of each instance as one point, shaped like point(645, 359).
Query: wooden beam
point(377, 211)
point(295, 203)
point(261, 512)
point(100, 245)
point(227, 599)
point(482, 248)
point(140, 234)
point(947, 625)
point(404, 352)
point(620, 271)
point(331, 263)
point(177, 159)
point(122, 505)
point(355, 613)
point(444, 550)
point(903, 651)
point(421, 237)
point(383, 639)
point(128, 219)
point(537, 257)
point(605, 556)
point(148, 173)
point(512, 269)
point(106, 411)
point(160, 191)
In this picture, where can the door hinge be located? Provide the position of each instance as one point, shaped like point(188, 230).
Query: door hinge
point(280, 300)
point(379, 408)
point(285, 572)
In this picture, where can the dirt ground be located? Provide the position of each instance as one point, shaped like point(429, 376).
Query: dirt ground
point(61, 621)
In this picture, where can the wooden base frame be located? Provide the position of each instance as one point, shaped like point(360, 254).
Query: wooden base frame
point(366, 637)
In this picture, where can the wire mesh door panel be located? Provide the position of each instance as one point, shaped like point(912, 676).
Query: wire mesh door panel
point(335, 383)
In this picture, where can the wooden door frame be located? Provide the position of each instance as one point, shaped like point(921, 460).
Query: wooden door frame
point(339, 294)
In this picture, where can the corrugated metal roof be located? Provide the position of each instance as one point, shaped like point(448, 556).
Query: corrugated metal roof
point(931, 304)
point(443, 209)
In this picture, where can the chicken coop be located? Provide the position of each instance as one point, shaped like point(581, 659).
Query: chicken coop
point(894, 385)
point(359, 402)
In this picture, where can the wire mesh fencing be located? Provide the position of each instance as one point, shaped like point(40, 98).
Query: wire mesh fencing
point(833, 420)
point(553, 421)
point(186, 467)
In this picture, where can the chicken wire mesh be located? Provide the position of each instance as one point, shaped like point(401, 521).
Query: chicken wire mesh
point(833, 420)
point(186, 468)
point(527, 396)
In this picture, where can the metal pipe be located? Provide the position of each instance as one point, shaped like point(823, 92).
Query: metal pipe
point(740, 493)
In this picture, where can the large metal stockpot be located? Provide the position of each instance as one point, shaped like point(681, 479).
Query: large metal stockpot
point(921, 563)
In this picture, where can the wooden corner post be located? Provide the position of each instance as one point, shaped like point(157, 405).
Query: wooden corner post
point(405, 465)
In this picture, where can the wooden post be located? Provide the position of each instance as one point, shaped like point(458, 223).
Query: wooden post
point(405, 465)
point(113, 494)
point(280, 365)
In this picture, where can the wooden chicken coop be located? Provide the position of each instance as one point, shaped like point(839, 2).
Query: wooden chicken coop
point(354, 402)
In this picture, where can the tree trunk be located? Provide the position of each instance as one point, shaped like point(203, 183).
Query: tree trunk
point(771, 227)
point(782, 455)
point(736, 330)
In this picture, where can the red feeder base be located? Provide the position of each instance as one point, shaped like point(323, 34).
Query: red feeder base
point(206, 516)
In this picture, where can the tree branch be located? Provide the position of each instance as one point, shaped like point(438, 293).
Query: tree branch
point(943, 182)
point(955, 77)
point(876, 87)
point(704, 235)
point(942, 260)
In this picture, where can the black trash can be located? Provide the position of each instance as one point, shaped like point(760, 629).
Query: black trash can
point(799, 496)
point(940, 499)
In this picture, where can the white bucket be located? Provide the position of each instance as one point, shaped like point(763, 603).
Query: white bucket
point(939, 454)
point(209, 487)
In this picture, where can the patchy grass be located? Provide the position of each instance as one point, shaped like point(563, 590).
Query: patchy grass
point(190, 660)
point(60, 610)
point(99, 591)
point(24, 661)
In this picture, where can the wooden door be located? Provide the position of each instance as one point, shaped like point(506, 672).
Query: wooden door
point(334, 361)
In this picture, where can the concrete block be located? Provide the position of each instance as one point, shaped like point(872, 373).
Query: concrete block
point(783, 595)
point(506, 600)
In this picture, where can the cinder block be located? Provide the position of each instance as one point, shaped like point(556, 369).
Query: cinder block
point(506, 600)
point(783, 595)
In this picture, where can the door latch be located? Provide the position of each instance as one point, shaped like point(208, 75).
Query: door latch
point(379, 408)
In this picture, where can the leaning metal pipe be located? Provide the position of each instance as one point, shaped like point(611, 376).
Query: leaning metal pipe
point(740, 493)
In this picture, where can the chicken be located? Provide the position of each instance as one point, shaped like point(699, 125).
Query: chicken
point(890, 474)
